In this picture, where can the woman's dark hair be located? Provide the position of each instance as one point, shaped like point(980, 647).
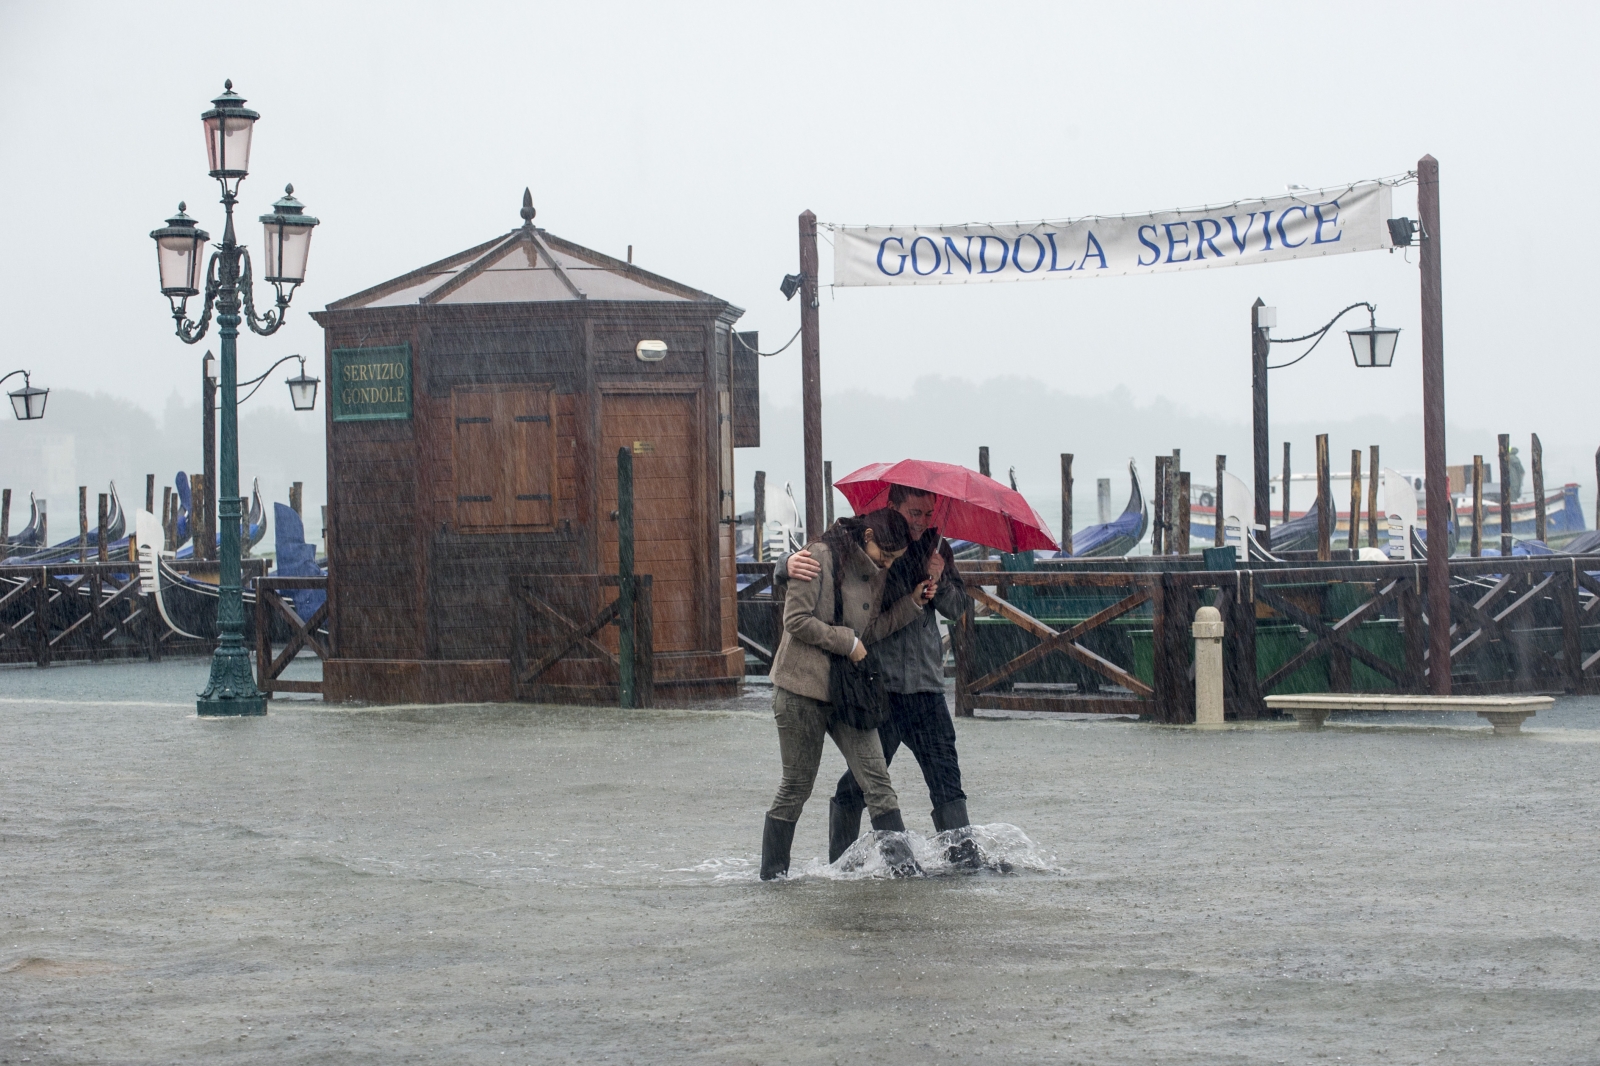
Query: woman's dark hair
point(889, 531)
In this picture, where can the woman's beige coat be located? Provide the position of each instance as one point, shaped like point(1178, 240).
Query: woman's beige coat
point(801, 664)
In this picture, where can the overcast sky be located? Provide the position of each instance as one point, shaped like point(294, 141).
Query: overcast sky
point(697, 133)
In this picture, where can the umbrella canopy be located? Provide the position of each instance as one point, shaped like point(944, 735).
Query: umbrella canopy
point(971, 506)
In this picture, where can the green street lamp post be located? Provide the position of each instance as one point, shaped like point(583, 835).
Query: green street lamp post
point(227, 287)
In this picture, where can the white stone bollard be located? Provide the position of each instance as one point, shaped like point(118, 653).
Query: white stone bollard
point(1207, 630)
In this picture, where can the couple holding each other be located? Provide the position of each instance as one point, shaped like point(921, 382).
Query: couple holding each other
point(882, 575)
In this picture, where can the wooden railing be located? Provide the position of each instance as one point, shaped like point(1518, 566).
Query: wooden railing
point(1524, 624)
point(302, 632)
point(760, 610)
point(67, 611)
point(554, 654)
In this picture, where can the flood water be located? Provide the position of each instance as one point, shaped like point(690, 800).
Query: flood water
point(541, 884)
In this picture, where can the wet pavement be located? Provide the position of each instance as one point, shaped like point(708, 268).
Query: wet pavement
point(540, 884)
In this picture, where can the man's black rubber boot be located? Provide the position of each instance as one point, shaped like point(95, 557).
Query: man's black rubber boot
point(952, 815)
point(844, 826)
point(776, 837)
point(896, 849)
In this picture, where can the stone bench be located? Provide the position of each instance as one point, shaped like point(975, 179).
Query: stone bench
point(1505, 713)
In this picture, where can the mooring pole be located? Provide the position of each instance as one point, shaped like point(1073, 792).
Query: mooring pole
point(625, 577)
point(1477, 506)
point(1066, 503)
point(811, 378)
point(83, 523)
point(1217, 536)
point(759, 519)
point(5, 518)
point(1159, 525)
point(100, 536)
point(1325, 508)
point(1536, 453)
point(1355, 499)
point(1505, 495)
point(1258, 416)
point(150, 493)
point(1436, 484)
point(206, 501)
point(1102, 498)
point(1286, 474)
point(1372, 500)
point(827, 492)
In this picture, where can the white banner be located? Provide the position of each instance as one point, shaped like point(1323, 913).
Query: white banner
point(1295, 226)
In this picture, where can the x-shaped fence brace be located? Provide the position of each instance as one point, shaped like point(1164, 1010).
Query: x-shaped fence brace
point(302, 633)
point(1062, 641)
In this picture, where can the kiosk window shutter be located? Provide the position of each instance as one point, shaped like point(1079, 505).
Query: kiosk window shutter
point(504, 458)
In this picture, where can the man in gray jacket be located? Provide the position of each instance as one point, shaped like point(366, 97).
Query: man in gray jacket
point(912, 660)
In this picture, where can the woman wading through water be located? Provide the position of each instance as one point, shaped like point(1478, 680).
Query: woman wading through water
point(853, 557)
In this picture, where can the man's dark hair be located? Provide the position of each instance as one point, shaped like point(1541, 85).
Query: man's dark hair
point(898, 494)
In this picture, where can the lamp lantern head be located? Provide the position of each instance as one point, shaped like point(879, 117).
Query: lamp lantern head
point(303, 390)
point(180, 248)
point(287, 230)
point(228, 126)
point(28, 402)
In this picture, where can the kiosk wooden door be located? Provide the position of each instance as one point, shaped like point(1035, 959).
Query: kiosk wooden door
point(661, 429)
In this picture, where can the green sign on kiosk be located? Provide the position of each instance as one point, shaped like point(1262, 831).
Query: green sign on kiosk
point(371, 383)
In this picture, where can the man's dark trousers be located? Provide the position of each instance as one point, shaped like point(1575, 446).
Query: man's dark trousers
point(920, 720)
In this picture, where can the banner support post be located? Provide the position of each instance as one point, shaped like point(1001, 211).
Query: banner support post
point(1436, 485)
point(811, 377)
point(1262, 449)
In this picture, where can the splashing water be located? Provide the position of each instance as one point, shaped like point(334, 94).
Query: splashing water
point(997, 848)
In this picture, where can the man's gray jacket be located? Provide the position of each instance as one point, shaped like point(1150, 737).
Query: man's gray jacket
point(912, 657)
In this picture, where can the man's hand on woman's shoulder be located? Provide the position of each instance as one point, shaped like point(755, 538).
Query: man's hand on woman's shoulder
point(802, 567)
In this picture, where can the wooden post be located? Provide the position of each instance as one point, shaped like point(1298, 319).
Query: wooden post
point(625, 604)
point(1505, 495)
point(83, 523)
point(644, 643)
point(983, 468)
point(44, 521)
point(1180, 544)
point(1102, 498)
point(1286, 475)
point(5, 520)
point(1216, 500)
point(204, 498)
point(1066, 503)
point(1355, 500)
point(759, 553)
point(1436, 484)
point(1158, 528)
point(827, 478)
point(1372, 500)
point(1571, 630)
point(297, 498)
point(1536, 453)
point(1260, 449)
point(203, 538)
point(1477, 506)
point(1325, 509)
point(166, 518)
point(811, 377)
point(102, 528)
point(150, 493)
point(963, 636)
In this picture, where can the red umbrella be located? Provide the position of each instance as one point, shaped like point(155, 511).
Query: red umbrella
point(971, 506)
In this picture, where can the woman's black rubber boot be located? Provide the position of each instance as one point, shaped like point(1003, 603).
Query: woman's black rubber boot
point(776, 837)
point(896, 849)
point(844, 826)
point(952, 815)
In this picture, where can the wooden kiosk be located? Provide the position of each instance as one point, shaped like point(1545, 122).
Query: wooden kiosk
point(475, 410)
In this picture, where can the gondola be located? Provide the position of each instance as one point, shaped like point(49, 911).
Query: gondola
point(1119, 536)
point(66, 551)
point(252, 528)
point(28, 535)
